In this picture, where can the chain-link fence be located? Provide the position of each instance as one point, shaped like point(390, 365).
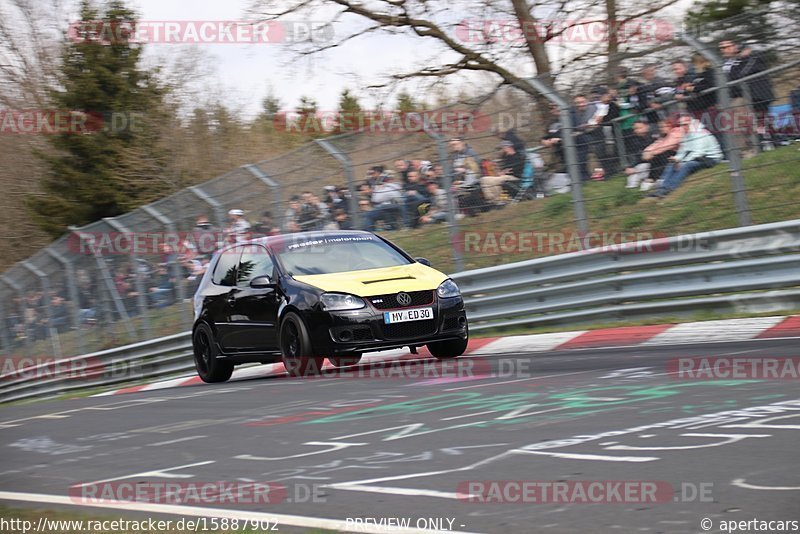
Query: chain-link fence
point(603, 161)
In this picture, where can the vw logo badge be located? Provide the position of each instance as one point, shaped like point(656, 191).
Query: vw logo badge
point(404, 299)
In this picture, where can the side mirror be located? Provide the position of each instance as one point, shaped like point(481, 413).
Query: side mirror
point(423, 261)
point(262, 282)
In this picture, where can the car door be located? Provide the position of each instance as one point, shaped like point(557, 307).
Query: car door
point(219, 297)
point(254, 315)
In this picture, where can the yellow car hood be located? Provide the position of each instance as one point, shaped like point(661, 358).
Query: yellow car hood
point(370, 282)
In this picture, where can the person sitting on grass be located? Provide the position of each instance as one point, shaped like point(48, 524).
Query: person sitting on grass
point(698, 150)
point(658, 154)
point(512, 166)
point(639, 168)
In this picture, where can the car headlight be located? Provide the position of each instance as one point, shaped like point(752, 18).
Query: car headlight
point(448, 288)
point(341, 301)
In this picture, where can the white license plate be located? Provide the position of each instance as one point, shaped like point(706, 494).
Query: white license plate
point(402, 316)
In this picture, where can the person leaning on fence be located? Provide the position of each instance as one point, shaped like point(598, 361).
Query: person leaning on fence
point(743, 62)
point(415, 194)
point(466, 166)
point(698, 150)
point(387, 202)
point(559, 182)
point(291, 214)
point(239, 229)
point(466, 177)
point(309, 217)
point(401, 167)
point(633, 105)
point(584, 122)
point(655, 91)
point(639, 168)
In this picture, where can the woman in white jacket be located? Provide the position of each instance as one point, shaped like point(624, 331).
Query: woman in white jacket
point(698, 150)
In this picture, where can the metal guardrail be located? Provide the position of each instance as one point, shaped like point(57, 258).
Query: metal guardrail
point(745, 269)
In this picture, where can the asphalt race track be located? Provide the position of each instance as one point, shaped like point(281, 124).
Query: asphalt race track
point(382, 443)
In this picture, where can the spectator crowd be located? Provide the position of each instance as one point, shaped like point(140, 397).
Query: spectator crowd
point(653, 131)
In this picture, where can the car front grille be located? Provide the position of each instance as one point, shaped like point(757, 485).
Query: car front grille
point(410, 329)
point(388, 302)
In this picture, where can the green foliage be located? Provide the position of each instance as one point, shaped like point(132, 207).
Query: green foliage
point(348, 103)
point(307, 106)
point(271, 105)
point(405, 103)
point(97, 174)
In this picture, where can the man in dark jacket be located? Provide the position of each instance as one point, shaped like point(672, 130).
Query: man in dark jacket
point(742, 63)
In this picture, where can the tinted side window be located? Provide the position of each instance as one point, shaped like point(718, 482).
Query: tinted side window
point(225, 271)
point(255, 261)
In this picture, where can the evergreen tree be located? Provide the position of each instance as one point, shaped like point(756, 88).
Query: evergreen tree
point(405, 103)
point(351, 117)
point(93, 174)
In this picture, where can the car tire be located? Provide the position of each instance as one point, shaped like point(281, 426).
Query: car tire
point(296, 349)
point(345, 360)
point(210, 369)
point(452, 348)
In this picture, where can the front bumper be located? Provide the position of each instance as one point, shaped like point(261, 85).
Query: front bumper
point(365, 330)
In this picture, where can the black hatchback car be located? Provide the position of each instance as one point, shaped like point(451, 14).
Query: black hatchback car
point(300, 298)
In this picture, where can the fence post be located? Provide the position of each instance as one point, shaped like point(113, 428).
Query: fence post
point(175, 265)
point(141, 290)
point(619, 139)
point(18, 291)
point(347, 165)
point(452, 222)
point(74, 298)
point(734, 156)
point(277, 197)
point(570, 152)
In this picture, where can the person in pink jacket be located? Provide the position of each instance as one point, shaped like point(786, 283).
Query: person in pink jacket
point(655, 156)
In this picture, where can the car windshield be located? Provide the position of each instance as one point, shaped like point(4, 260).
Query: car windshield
point(336, 254)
